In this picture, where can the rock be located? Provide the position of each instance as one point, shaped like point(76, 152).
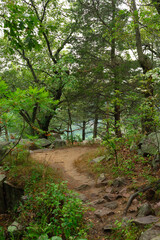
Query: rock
point(149, 144)
point(150, 234)
point(156, 238)
point(111, 197)
point(145, 210)
point(145, 220)
point(27, 144)
point(100, 213)
point(108, 228)
point(98, 159)
point(118, 182)
point(13, 195)
point(83, 187)
point(98, 201)
point(101, 181)
point(82, 197)
point(59, 143)
point(156, 162)
point(111, 205)
point(2, 199)
point(14, 229)
point(42, 143)
point(133, 209)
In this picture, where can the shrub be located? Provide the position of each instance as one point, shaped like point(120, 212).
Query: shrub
point(56, 212)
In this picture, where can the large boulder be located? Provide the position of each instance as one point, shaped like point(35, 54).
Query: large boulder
point(58, 143)
point(2, 197)
point(28, 144)
point(13, 195)
point(42, 143)
point(149, 145)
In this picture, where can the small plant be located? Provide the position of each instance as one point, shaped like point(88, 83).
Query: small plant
point(2, 237)
point(125, 231)
point(57, 211)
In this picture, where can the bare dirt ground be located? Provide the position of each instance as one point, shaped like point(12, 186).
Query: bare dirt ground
point(63, 159)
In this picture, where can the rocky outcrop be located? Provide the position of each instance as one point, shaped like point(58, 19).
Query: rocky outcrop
point(2, 196)
point(149, 145)
point(10, 195)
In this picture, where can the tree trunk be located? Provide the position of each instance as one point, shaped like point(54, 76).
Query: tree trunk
point(84, 130)
point(95, 126)
point(117, 117)
point(44, 124)
point(107, 117)
point(146, 64)
point(117, 112)
point(70, 124)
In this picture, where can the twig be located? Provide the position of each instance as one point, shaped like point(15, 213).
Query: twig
point(3, 157)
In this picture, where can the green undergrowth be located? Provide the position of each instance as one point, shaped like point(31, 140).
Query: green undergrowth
point(49, 209)
point(23, 171)
point(127, 231)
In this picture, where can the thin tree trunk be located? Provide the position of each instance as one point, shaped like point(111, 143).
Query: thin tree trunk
point(117, 112)
point(95, 126)
point(70, 124)
point(107, 117)
point(84, 130)
point(146, 64)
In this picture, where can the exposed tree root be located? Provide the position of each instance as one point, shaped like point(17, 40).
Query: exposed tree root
point(134, 195)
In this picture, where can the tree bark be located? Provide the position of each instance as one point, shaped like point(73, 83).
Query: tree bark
point(95, 126)
point(117, 111)
point(147, 120)
point(84, 130)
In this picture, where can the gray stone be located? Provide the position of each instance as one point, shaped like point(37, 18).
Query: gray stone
point(82, 197)
point(111, 205)
point(101, 181)
point(98, 159)
point(156, 238)
point(59, 143)
point(150, 234)
point(149, 144)
point(2, 199)
point(100, 213)
point(118, 182)
point(15, 229)
point(28, 144)
point(110, 197)
point(98, 201)
point(108, 228)
point(13, 195)
point(145, 220)
point(83, 187)
point(42, 143)
point(145, 210)
point(156, 162)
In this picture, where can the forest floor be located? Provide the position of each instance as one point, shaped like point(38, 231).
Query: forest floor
point(90, 192)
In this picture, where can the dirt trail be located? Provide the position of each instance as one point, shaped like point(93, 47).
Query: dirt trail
point(64, 159)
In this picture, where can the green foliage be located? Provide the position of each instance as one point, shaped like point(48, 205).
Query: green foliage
point(55, 211)
point(2, 237)
point(125, 231)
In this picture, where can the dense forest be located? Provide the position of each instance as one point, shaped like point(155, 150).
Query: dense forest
point(79, 68)
point(74, 62)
